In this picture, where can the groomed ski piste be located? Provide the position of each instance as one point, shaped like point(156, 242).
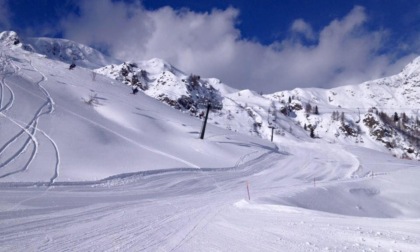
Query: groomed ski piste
point(87, 166)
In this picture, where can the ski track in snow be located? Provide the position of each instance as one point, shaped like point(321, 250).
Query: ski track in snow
point(31, 137)
point(51, 108)
point(22, 149)
point(4, 63)
point(187, 207)
point(31, 127)
point(172, 224)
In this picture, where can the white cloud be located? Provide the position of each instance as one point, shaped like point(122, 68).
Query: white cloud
point(119, 26)
point(4, 15)
point(209, 44)
point(299, 26)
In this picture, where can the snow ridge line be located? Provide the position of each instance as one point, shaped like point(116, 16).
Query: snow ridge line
point(177, 170)
point(143, 174)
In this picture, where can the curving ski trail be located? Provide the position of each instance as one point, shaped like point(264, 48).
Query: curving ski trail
point(30, 129)
point(4, 63)
point(51, 105)
point(57, 157)
point(22, 150)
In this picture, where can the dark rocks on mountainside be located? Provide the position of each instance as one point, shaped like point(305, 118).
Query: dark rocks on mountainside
point(186, 102)
point(296, 106)
point(348, 130)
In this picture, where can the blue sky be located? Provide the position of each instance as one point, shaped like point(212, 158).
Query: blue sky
point(262, 45)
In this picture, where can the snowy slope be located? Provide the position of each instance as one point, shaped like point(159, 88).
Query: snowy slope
point(50, 132)
point(344, 209)
point(87, 166)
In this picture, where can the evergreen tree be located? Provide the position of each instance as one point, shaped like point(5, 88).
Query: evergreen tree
point(312, 134)
point(404, 117)
point(396, 117)
point(308, 108)
point(335, 116)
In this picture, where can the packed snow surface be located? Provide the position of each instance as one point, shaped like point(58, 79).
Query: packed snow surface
point(87, 166)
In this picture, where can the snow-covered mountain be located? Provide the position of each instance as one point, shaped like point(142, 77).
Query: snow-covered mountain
point(85, 165)
point(374, 114)
point(379, 114)
point(164, 82)
point(63, 50)
point(354, 114)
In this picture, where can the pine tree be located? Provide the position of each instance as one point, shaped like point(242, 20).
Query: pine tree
point(404, 117)
point(308, 108)
point(342, 117)
point(396, 117)
point(312, 134)
point(334, 116)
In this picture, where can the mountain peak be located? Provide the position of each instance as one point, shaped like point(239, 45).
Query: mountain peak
point(70, 52)
point(9, 38)
point(412, 67)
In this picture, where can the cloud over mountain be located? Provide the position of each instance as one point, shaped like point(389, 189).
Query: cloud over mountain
point(209, 44)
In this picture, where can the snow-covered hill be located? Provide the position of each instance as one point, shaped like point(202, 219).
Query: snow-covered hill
point(85, 165)
point(355, 114)
point(59, 124)
point(164, 82)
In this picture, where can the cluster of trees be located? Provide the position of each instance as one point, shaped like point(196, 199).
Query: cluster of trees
point(311, 130)
point(337, 116)
point(310, 109)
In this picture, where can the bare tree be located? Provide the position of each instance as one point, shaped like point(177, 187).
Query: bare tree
point(93, 100)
